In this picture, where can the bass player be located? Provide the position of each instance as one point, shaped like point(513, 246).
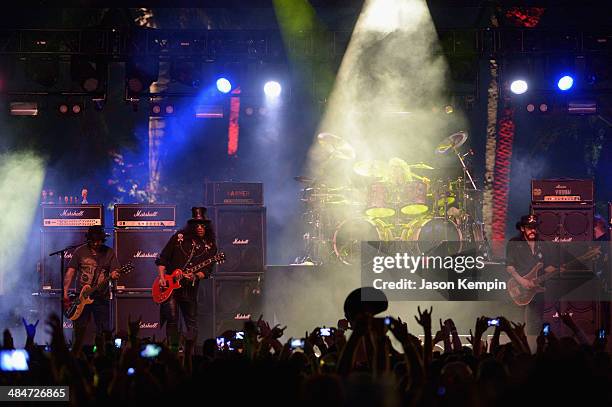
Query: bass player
point(524, 254)
point(95, 262)
point(188, 247)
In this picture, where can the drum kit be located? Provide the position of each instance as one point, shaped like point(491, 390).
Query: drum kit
point(389, 201)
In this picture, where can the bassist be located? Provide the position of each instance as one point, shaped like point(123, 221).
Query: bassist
point(94, 262)
point(524, 254)
point(188, 247)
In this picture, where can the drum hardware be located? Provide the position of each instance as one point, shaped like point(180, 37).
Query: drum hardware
point(336, 146)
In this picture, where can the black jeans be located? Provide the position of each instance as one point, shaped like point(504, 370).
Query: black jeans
point(101, 314)
point(169, 313)
point(534, 315)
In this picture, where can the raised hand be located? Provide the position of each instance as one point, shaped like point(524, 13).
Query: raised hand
point(134, 326)
point(8, 340)
point(482, 324)
point(30, 328)
point(399, 329)
point(424, 318)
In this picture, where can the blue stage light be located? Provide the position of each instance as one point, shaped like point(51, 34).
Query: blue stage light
point(566, 82)
point(223, 85)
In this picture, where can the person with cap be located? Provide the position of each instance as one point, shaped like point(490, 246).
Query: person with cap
point(94, 262)
point(187, 248)
point(524, 254)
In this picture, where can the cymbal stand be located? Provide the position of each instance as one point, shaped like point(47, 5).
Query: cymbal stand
point(472, 221)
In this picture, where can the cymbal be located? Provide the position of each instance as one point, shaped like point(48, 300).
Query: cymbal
point(303, 179)
point(451, 142)
point(336, 146)
point(371, 168)
point(421, 166)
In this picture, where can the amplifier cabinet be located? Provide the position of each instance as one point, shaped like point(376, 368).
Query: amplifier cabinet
point(241, 232)
point(141, 248)
point(131, 306)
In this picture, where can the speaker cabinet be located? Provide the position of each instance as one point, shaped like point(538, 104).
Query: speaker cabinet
point(140, 247)
point(240, 233)
point(48, 303)
point(588, 316)
point(565, 224)
point(226, 301)
point(135, 305)
point(51, 241)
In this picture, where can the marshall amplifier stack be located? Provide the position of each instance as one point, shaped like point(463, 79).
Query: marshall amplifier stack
point(565, 209)
point(63, 226)
point(141, 232)
point(239, 219)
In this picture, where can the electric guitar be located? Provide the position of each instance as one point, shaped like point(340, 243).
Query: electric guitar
point(523, 296)
point(173, 280)
point(76, 307)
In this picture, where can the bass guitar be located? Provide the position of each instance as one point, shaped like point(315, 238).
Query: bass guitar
point(523, 296)
point(76, 307)
point(173, 280)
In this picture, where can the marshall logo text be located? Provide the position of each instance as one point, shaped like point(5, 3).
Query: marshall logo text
point(145, 214)
point(67, 212)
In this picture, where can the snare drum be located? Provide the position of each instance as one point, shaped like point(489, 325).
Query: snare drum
point(413, 197)
point(378, 201)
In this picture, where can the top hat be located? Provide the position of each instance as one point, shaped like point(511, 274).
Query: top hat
point(96, 233)
point(198, 215)
point(528, 220)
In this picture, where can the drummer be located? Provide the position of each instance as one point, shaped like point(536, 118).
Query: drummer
point(399, 173)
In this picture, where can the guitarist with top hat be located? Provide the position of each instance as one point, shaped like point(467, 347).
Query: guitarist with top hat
point(95, 265)
point(187, 248)
point(525, 255)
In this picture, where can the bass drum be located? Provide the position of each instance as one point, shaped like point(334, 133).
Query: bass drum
point(351, 232)
point(430, 234)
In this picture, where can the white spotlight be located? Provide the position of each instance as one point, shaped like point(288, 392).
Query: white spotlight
point(518, 87)
point(272, 89)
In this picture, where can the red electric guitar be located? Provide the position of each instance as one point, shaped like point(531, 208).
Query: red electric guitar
point(173, 280)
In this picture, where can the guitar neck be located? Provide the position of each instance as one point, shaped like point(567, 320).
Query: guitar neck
point(546, 276)
point(200, 266)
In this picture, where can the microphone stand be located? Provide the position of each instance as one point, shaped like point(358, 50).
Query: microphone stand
point(62, 254)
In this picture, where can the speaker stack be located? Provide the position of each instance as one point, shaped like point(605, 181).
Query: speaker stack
point(233, 294)
point(63, 226)
point(565, 208)
point(141, 232)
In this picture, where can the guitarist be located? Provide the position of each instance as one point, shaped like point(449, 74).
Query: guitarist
point(186, 248)
point(523, 254)
point(94, 262)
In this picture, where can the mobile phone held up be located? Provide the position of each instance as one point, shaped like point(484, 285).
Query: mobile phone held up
point(14, 360)
point(150, 350)
point(546, 329)
point(493, 322)
point(325, 331)
point(297, 343)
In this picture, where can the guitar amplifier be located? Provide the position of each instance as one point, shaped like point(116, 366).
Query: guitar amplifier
point(145, 216)
point(562, 191)
point(233, 193)
point(73, 216)
point(140, 247)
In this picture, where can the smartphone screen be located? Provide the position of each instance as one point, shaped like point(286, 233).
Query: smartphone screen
point(493, 322)
point(601, 334)
point(297, 343)
point(14, 360)
point(220, 342)
point(546, 329)
point(239, 335)
point(151, 350)
point(325, 331)
point(117, 342)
